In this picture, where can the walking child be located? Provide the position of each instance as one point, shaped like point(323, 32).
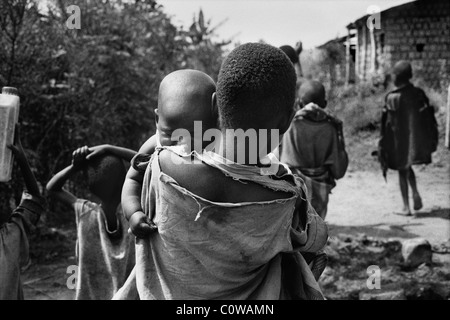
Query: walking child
point(409, 133)
point(314, 146)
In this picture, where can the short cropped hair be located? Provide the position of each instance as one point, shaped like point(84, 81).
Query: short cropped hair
point(106, 175)
point(290, 52)
point(402, 70)
point(256, 82)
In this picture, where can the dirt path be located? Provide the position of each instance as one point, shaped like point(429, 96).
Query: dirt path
point(362, 203)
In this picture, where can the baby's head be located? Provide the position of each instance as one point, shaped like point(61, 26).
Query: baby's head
point(402, 73)
point(256, 89)
point(106, 175)
point(312, 92)
point(185, 96)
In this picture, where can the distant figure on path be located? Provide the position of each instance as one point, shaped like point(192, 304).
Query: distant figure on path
point(409, 132)
point(294, 56)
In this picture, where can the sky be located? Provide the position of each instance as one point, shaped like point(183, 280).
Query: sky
point(277, 22)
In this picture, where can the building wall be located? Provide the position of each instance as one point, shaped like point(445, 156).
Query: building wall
point(418, 32)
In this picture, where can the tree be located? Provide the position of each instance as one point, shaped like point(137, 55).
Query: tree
point(203, 53)
point(95, 85)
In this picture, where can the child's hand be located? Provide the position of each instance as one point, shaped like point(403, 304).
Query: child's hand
point(79, 156)
point(97, 151)
point(141, 226)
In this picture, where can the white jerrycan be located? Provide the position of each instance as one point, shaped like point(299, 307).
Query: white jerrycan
point(9, 116)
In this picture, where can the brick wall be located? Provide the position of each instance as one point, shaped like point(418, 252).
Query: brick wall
point(418, 32)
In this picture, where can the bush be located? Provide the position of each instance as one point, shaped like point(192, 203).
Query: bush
point(358, 106)
point(95, 85)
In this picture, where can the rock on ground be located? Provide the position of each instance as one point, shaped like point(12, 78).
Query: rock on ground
point(416, 252)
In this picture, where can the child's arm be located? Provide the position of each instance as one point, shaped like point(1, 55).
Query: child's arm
point(131, 191)
point(28, 176)
point(123, 153)
point(55, 185)
point(32, 204)
point(131, 195)
point(339, 167)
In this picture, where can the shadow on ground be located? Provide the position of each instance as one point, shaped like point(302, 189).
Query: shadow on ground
point(379, 230)
point(435, 213)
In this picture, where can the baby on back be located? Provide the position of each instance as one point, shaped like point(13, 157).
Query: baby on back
point(184, 101)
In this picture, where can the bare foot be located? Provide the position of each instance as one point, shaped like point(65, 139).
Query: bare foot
point(404, 212)
point(417, 202)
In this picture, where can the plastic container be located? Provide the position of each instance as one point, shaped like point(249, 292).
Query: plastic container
point(9, 116)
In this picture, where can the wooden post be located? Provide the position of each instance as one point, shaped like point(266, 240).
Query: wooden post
point(357, 57)
point(364, 54)
point(447, 127)
point(373, 51)
point(347, 58)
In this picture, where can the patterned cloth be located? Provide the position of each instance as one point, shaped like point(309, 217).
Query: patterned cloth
point(208, 250)
point(14, 249)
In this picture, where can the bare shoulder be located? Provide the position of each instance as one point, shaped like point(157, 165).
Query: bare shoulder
point(195, 176)
point(212, 184)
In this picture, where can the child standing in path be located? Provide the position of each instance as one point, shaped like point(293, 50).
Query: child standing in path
point(105, 250)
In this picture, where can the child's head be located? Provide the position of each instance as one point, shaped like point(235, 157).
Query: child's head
point(106, 176)
point(312, 92)
point(290, 52)
point(185, 96)
point(402, 73)
point(256, 89)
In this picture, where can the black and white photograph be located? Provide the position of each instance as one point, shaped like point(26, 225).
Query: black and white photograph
point(225, 154)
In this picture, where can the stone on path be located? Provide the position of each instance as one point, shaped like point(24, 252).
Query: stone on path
point(416, 252)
